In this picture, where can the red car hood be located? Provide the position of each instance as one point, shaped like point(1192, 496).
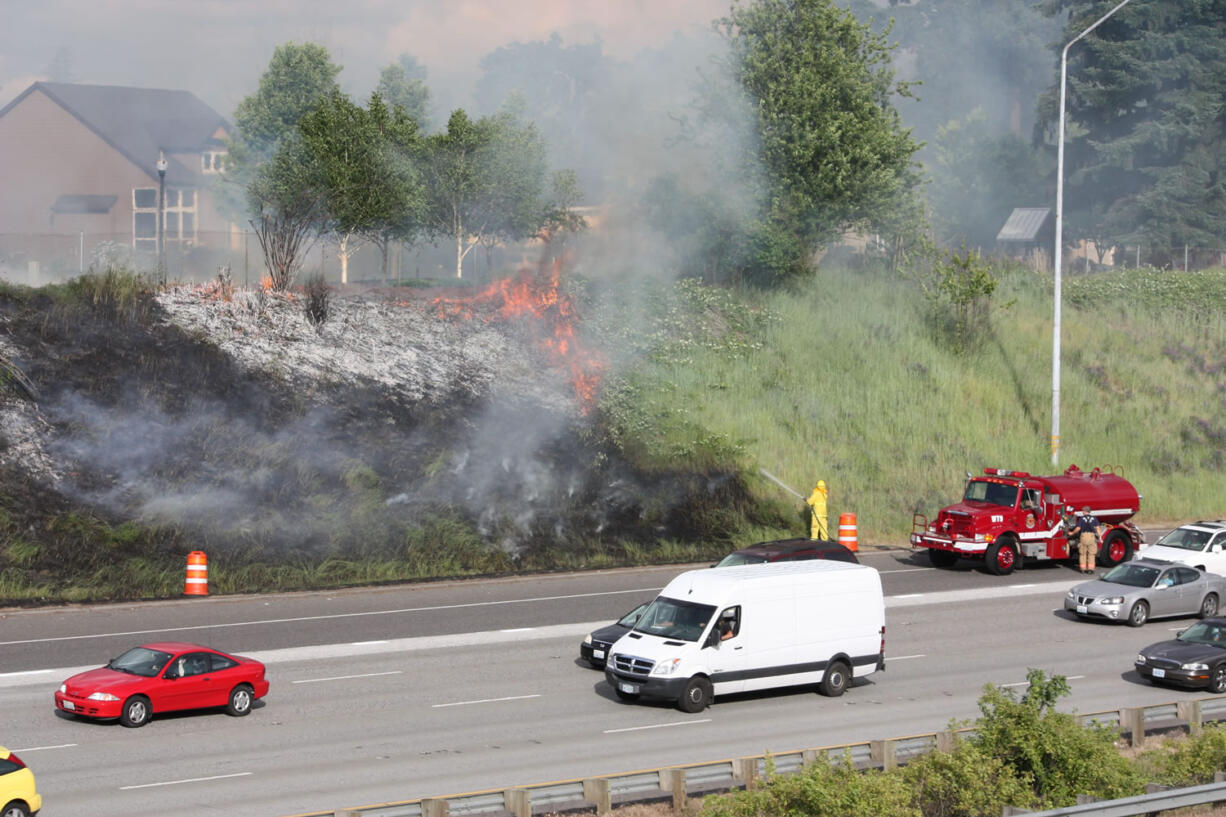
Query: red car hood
point(102, 680)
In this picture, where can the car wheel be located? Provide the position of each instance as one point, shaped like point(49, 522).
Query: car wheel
point(1217, 680)
point(1208, 606)
point(1001, 557)
point(1138, 615)
point(696, 696)
point(838, 676)
point(240, 701)
point(942, 558)
point(15, 809)
point(628, 697)
point(136, 712)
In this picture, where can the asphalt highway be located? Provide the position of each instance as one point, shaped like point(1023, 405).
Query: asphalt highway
point(424, 690)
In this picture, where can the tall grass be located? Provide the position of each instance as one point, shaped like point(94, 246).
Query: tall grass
point(851, 386)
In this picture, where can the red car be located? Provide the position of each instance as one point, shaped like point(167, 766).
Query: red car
point(163, 677)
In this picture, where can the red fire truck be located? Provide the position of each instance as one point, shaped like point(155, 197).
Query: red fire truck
point(1006, 517)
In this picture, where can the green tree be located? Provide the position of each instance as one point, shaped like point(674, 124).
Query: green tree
point(832, 144)
point(365, 160)
point(265, 156)
point(1145, 144)
point(486, 181)
point(403, 84)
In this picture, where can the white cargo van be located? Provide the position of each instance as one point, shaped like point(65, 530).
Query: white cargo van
point(737, 629)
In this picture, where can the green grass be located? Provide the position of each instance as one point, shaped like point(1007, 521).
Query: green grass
point(850, 384)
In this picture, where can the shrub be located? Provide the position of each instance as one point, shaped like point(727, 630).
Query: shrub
point(822, 790)
point(1195, 760)
point(967, 782)
point(317, 301)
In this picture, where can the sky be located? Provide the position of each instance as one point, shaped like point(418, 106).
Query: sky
point(219, 48)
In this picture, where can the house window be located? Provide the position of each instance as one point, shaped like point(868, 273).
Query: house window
point(212, 161)
point(180, 217)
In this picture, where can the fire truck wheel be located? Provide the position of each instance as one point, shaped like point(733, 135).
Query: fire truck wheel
point(1138, 615)
point(1208, 605)
point(1002, 556)
point(1117, 547)
point(942, 558)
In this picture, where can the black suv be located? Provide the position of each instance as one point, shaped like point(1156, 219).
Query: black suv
point(789, 550)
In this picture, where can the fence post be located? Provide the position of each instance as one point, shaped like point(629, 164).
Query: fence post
point(676, 783)
point(596, 790)
point(517, 801)
point(431, 807)
point(1134, 718)
point(946, 741)
point(746, 768)
point(1190, 711)
point(883, 753)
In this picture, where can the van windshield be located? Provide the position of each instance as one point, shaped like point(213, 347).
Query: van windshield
point(670, 618)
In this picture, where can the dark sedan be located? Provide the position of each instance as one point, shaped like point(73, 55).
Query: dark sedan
point(1194, 658)
point(596, 644)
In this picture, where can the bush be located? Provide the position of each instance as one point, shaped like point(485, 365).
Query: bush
point(1058, 756)
point(967, 782)
point(822, 790)
point(1195, 760)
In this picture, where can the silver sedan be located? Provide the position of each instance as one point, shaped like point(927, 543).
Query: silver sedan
point(1145, 588)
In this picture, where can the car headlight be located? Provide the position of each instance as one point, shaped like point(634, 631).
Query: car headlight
point(1140, 658)
point(587, 639)
point(1071, 594)
point(103, 696)
point(1195, 667)
point(666, 667)
point(63, 689)
point(1114, 600)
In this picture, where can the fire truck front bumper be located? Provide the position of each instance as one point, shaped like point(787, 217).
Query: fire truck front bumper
point(953, 544)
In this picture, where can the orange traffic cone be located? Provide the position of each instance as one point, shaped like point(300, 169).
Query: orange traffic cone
point(197, 583)
point(847, 531)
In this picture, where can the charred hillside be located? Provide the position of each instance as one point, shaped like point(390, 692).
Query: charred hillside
point(407, 435)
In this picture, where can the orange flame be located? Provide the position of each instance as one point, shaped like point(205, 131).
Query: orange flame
point(538, 297)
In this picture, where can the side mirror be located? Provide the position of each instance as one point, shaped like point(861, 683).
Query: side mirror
point(1216, 548)
point(712, 639)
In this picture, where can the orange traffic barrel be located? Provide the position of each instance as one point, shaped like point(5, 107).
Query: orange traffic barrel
point(847, 531)
point(197, 583)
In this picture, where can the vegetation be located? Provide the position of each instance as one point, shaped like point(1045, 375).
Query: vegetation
point(1021, 753)
point(820, 90)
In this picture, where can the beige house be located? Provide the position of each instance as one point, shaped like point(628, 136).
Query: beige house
point(79, 167)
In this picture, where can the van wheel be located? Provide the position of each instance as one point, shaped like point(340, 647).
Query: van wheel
point(838, 676)
point(628, 697)
point(696, 696)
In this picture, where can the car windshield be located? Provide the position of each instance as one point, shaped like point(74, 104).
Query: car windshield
point(1204, 632)
point(994, 493)
point(670, 618)
point(629, 619)
point(734, 559)
point(140, 661)
point(1185, 539)
point(1132, 575)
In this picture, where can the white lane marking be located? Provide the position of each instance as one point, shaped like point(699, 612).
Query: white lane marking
point(330, 616)
point(907, 570)
point(41, 748)
point(485, 701)
point(1026, 683)
point(518, 630)
point(908, 596)
point(364, 643)
point(347, 677)
point(655, 726)
point(905, 657)
point(25, 672)
point(188, 780)
point(977, 594)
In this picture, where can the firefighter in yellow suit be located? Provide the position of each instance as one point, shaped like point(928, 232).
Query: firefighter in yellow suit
point(817, 505)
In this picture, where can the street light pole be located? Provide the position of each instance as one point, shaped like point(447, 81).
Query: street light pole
point(161, 217)
point(1059, 250)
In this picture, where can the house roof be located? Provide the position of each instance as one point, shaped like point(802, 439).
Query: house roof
point(1023, 224)
point(138, 122)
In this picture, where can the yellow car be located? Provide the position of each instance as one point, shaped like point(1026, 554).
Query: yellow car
point(17, 791)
